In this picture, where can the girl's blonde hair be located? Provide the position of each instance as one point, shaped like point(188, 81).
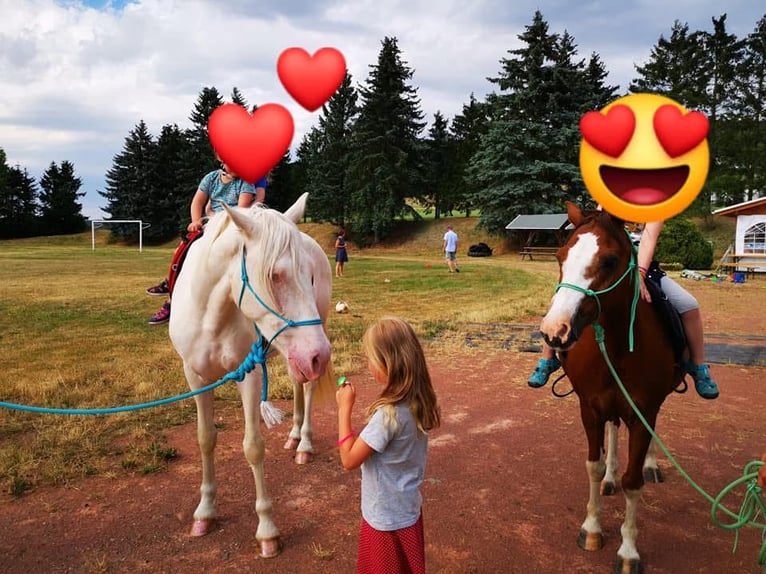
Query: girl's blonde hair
point(394, 350)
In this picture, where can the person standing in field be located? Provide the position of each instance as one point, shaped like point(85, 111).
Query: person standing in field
point(450, 249)
point(341, 254)
point(391, 449)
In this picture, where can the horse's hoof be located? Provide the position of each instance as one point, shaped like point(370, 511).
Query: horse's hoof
point(202, 527)
point(304, 457)
point(269, 548)
point(626, 566)
point(653, 475)
point(608, 488)
point(590, 541)
point(291, 444)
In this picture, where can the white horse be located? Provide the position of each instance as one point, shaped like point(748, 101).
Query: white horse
point(252, 283)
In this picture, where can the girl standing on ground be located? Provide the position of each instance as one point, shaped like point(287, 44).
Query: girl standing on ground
point(341, 255)
point(391, 449)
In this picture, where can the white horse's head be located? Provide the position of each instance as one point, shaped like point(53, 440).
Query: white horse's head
point(277, 294)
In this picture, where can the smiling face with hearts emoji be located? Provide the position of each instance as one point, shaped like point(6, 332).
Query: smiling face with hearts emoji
point(644, 157)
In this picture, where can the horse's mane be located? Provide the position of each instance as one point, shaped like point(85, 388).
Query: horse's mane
point(614, 225)
point(274, 236)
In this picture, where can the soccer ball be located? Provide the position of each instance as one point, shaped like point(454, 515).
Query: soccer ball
point(341, 307)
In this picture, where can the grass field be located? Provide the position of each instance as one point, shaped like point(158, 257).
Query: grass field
point(74, 335)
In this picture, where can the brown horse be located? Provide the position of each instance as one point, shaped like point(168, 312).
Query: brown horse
point(597, 290)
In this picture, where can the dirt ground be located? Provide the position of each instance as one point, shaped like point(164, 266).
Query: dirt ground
point(505, 487)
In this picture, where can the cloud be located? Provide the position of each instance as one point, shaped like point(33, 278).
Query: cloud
point(77, 76)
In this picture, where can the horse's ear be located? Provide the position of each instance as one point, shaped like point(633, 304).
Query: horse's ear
point(295, 213)
point(242, 221)
point(574, 213)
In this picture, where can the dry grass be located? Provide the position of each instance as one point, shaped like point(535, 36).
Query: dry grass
point(74, 335)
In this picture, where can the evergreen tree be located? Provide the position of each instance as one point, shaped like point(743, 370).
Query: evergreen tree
point(61, 212)
point(384, 161)
point(130, 186)
point(281, 192)
point(467, 129)
point(304, 172)
point(238, 98)
point(748, 128)
point(439, 179)
point(330, 190)
point(527, 162)
point(201, 158)
point(174, 183)
point(676, 68)
point(19, 210)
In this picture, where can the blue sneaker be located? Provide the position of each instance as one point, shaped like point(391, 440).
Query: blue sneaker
point(703, 383)
point(545, 368)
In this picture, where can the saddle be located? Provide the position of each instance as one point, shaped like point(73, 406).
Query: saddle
point(671, 319)
point(180, 254)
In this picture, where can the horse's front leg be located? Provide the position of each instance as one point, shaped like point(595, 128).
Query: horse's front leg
point(254, 448)
point(609, 483)
point(205, 514)
point(305, 452)
point(628, 559)
point(294, 438)
point(591, 537)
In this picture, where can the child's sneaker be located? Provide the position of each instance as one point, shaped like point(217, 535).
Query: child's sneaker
point(162, 316)
point(545, 368)
point(706, 387)
point(161, 289)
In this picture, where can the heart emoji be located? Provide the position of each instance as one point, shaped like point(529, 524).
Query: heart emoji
point(679, 133)
point(311, 80)
point(251, 144)
point(609, 133)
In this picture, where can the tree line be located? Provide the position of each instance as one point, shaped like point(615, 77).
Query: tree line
point(369, 159)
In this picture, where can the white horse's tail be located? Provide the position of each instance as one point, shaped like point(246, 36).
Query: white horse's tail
point(271, 414)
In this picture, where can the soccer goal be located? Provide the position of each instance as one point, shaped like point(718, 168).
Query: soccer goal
point(96, 223)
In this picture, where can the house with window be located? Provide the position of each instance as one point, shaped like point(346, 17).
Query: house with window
point(748, 252)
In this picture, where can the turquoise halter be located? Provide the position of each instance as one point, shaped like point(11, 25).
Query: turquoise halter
point(632, 268)
point(261, 348)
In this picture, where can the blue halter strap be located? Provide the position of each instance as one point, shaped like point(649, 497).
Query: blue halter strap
point(261, 348)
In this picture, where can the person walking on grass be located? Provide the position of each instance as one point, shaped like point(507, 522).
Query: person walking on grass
point(391, 449)
point(449, 247)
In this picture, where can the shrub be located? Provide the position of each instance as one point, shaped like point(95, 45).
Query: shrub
point(681, 241)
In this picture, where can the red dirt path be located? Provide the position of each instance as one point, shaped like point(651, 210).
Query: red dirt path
point(506, 490)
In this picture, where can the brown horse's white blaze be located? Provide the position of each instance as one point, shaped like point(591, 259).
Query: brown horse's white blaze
point(556, 326)
point(212, 329)
point(597, 287)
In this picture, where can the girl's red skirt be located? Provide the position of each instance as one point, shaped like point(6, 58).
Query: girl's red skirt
point(394, 552)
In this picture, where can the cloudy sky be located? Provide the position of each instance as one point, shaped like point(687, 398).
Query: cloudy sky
point(76, 76)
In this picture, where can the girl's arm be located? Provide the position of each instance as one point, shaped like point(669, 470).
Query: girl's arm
point(245, 200)
point(197, 209)
point(646, 248)
point(353, 451)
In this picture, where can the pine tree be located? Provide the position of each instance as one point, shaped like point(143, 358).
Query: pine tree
point(281, 192)
point(676, 68)
point(238, 98)
point(19, 210)
point(201, 158)
point(384, 162)
point(527, 161)
point(174, 184)
point(61, 212)
point(130, 185)
point(330, 190)
point(468, 127)
point(438, 163)
point(303, 170)
point(749, 126)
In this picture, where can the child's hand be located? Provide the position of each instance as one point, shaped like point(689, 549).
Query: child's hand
point(345, 395)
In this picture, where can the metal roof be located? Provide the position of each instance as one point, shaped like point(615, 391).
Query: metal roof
point(546, 221)
point(754, 206)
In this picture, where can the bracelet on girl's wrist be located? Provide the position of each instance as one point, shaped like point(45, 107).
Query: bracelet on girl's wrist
point(345, 438)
